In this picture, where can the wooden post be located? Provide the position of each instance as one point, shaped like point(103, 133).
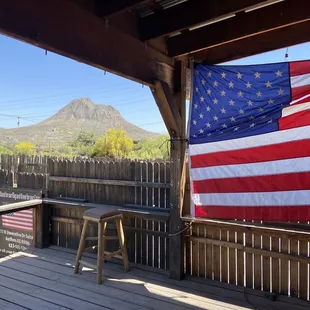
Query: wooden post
point(42, 224)
point(178, 147)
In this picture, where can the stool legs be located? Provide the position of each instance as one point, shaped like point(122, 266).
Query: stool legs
point(121, 237)
point(100, 253)
point(81, 247)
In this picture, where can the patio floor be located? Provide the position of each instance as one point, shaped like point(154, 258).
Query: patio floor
point(44, 279)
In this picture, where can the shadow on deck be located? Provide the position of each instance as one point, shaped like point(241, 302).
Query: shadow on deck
point(44, 279)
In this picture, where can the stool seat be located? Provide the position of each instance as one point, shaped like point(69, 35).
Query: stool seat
point(101, 216)
point(101, 213)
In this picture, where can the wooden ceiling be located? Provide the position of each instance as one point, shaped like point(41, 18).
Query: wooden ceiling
point(141, 39)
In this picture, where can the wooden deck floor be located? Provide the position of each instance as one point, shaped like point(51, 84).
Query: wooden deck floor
point(44, 279)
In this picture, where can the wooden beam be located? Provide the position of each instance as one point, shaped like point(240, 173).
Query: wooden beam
point(245, 25)
point(187, 14)
point(66, 28)
point(108, 182)
point(252, 250)
point(106, 8)
point(280, 38)
point(178, 146)
point(166, 105)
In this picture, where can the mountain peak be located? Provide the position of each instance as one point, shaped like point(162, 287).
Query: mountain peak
point(86, 109)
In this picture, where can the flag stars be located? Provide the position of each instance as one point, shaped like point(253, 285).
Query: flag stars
point(202, 99)
point(270, 121)
point(201, 131)
point(223, 93)
point(215, 101)
point(240, 94)
point(236, 128)
point(196, 106)
point(259, 94)
point(251, 117)
point(197, 89)
point(248, 85)
point(208, 125)
point(215, 118)
point(194, 122)
point(194, 136)
point(252, 125)
point(231, 102)
point(203, 82)
point(201, 116)
point(260, 110)
point(257, 75)
point(281, 91)
point(239, 75)
point(268, 84)
point(223, 111)
point(250, 103)
point(232, 119)
point(231, 85)
point(263, 117)
point(209, 134)
point(270, 101)
point(209, 74)
point(241, 111)
point(209, 91)
point(215, 83)
point(208, 108)
point(278, 73)
point(224, 126)
point(223, 74)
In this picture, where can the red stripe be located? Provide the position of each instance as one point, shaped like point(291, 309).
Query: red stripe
point(299, 67)
point(265, 183)
point(286, 150)
point(297, 119)
point(266, 213)
point(299, 92)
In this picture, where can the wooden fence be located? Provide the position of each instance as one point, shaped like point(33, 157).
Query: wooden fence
point(121, 182)
point(262, 257)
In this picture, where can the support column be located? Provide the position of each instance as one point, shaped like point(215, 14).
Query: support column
point(178, 148)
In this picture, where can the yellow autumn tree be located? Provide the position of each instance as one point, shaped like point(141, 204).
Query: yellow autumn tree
point(114, 144)
point(25, 147)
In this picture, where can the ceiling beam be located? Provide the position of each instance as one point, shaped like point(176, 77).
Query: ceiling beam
point(265, 42)
point(187, 14)
point(244, 25)
point(66, 28)
point(106, 8)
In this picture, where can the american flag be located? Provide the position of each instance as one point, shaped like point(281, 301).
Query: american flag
point(249, 141)
point(21, 220)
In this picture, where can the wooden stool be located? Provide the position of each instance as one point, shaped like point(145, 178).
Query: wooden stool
point(102, 216)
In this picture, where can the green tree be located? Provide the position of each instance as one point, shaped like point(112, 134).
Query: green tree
point(115, 144)
point(83, 143)
point(153, 148)
point(4, 150)
point(25, 147)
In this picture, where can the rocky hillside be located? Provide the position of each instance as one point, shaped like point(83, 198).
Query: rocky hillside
point(79, 114)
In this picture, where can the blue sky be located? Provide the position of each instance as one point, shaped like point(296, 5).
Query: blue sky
point(34, 85)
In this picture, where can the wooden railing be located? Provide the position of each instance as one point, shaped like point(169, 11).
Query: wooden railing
point(271, 258)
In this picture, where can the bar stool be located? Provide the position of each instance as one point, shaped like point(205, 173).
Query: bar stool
point(102, 216)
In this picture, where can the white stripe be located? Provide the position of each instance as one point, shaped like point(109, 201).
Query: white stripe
point(300, 80)
point(19, 226)
point(23, 215)
point(17, 219)
point(288, 198)
point(276, 137)
point(295, 108)
point(17, 222)
point(253, 169)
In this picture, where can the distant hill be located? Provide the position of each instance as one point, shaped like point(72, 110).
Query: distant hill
point(64, 126)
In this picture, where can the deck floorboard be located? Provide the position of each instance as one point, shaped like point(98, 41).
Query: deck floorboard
point(44, 279)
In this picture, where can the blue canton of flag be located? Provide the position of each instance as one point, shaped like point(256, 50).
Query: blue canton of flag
point(232, 102)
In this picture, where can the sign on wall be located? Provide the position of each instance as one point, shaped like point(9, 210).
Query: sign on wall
point(16, 228)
